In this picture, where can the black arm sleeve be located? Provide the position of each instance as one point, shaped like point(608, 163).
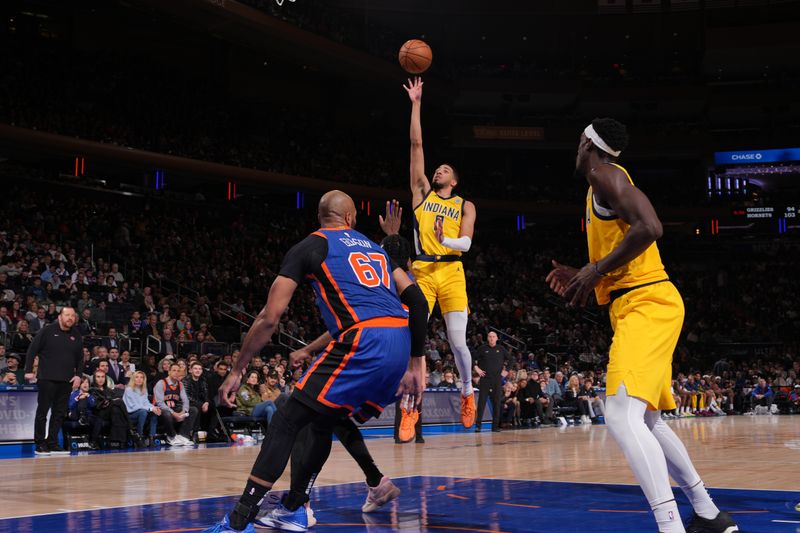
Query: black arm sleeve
point(417, 318)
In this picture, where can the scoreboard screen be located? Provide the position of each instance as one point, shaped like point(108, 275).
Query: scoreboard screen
point(767, 212)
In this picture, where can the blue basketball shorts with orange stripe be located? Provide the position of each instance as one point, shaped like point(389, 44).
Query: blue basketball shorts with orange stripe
point(358, 373)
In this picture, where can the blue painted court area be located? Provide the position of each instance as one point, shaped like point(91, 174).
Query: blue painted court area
point(440, 504)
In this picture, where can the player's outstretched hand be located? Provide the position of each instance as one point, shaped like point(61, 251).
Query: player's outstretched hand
point(560, 276)
point(582, 285)
point(438, 229)
point(413, 382)
point(298, 357)
point(228, 389)
point(394, 215)
point(414, 89)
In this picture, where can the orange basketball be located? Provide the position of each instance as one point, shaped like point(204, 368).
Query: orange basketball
point(415, 56)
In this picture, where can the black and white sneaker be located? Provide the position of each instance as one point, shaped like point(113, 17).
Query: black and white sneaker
point(57, 450)
point(723, 523)
point(42, 449)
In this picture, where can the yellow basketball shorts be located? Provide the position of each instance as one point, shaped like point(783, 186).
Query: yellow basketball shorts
point(646, 323)
point(444, 282)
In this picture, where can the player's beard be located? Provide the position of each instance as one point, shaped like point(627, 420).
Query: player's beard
point(436, 186)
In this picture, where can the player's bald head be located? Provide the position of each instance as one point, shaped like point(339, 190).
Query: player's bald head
point(337, 209)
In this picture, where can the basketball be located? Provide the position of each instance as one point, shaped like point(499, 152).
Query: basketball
point(415, 56)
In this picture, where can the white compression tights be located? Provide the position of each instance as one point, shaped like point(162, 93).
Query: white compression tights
point(654, 453)
point(456, 322)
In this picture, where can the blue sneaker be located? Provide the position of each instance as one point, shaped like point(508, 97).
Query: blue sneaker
point(282, 518)
point(224, 526)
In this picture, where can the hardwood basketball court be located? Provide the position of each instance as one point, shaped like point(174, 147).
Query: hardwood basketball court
point(753, 453)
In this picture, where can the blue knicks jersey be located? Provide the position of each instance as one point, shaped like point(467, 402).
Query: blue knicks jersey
point(350, 274)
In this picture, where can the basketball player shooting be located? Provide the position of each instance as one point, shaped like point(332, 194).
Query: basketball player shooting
point(444, 226)
point(646, 311)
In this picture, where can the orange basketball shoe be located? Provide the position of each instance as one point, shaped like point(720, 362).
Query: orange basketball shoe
point(468, 410)
point(408, 419)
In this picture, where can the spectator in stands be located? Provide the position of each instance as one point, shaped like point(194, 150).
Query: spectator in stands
point(116, 274)
point(594, 404)
point(762, 397)
point(551, 386)
point(135, 324)
point(572, 399)
point(248, 399)
point(102, 366)
point(140, 410)
point(435, 376)
point(115, 370)
point(164, 317)
point(22, 338)
point(448, 380)
point(163, 367)
point(184, 368)
point(148, 303)
point(168, 344)
point(535, 407)
point(197, 392)
point(794, 400)
point(271, 389)
point(8, 378)
point(84, 302)
point(109, 409)
point(125, 361)
point(220, 372)
point(199, 339)
point(100, 353)
point(52, 313)
point(204, 329)
point(37, 290)
point(152, 327)
point(13, 366)
point(38, 322)
point(5, 324)
point(181, 322)
point(510, 415)
point(187, 331)
point(111, 341)
point(81, 404)
point(86, 325)
point(16, 313)
point(177, 415)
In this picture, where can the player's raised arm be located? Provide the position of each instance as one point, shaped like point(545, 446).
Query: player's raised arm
point(419, 182)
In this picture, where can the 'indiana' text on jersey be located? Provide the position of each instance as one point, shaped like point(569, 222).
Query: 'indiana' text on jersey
point(441, 209)
point(449, 211)
point(604, 231)
point(354, 282)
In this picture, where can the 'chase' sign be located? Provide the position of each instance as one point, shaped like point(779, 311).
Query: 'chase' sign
point(757, 156)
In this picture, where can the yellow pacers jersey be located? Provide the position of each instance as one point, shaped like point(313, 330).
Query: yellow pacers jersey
point(604, 231)
point(449, 210)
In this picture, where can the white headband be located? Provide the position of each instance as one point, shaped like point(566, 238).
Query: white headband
point(599, 142)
